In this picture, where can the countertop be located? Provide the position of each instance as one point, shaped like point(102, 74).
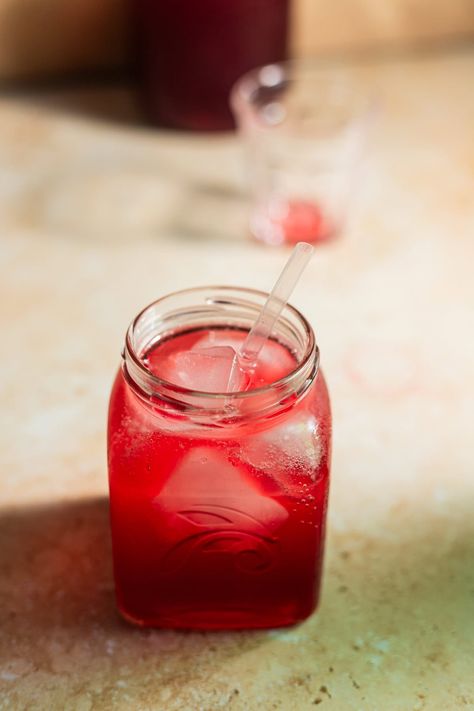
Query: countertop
point(100, 215)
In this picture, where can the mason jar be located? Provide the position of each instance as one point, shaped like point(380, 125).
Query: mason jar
point(218, 500)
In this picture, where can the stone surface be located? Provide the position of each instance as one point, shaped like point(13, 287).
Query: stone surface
point(97, 218)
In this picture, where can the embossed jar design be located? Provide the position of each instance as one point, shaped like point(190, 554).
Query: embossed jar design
point(217, 501)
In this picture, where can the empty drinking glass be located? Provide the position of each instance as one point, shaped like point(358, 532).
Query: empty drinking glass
point(303, 126)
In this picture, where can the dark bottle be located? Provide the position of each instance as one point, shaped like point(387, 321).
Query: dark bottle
point(192, 51)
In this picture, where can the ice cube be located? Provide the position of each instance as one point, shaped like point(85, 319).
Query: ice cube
point(205, 476)
point(211, 507)
point(231, 337)
point(206, 369)
point(288, 452)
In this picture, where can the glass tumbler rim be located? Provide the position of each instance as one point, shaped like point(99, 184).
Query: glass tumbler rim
point(151, 384)
point(327, 74)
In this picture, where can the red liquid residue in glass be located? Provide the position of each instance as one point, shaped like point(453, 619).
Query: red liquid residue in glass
point(304, 222)
point(292, 221)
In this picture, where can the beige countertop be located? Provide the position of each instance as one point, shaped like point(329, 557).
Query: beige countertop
point(97, 218)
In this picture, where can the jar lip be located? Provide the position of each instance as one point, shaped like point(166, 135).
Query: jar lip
point(311, 352)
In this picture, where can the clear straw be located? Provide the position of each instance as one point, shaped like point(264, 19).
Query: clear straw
point(277, 299)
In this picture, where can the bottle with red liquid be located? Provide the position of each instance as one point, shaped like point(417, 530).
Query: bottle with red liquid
point(218, 500)
point(192, 51)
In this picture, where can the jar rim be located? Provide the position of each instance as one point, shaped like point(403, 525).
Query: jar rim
point(309, 359)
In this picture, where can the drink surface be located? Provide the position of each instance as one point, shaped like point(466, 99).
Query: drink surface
point(217, 527)
point(201, 360)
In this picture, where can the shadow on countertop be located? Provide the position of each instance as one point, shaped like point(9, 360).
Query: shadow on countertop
point(56, 567)
point(59, 628)
point(391, 606)
point(107, 96)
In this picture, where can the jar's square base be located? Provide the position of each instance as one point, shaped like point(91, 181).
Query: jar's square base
point(223, 619)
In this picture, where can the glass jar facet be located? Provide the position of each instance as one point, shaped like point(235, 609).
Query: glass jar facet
point(218, 502)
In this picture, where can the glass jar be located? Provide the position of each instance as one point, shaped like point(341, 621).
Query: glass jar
point(218, 501)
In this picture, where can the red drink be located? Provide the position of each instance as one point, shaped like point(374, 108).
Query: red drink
point(217, 517)
point(290, 221)
point(192, 52)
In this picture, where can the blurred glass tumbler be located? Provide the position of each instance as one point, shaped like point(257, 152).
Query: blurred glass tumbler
point(303, 127)
point(192, 52)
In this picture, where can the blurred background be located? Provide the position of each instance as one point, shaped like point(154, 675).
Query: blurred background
point(53, 38)
point(171, 65)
